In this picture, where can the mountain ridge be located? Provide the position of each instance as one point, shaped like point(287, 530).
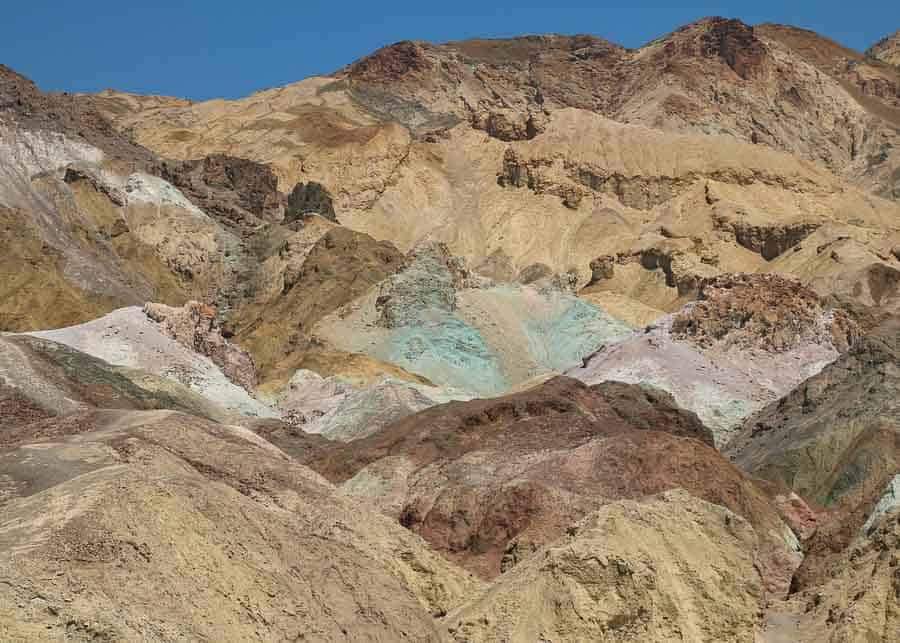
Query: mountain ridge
point(415, 349)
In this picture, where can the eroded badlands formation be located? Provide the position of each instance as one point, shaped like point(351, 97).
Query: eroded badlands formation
point(537, 339)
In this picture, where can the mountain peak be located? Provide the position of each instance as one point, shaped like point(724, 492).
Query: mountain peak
point(392, 62)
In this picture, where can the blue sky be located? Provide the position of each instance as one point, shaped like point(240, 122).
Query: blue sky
point(203, 48)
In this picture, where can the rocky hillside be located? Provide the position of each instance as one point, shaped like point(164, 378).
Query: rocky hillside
point(887, 49)
point(524, 339)
point(717, 148)
point(599, 580)
point(715, 76)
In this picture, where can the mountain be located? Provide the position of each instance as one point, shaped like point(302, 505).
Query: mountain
point(887, 49)
point(537, 338)
point(436, 142)
point(715, 76)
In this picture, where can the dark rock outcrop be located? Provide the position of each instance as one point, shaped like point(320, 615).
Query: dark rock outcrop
point(238, 191)
point(602, 268)
point(309, 198)
point(509, 125)
point(770, 241)
point(393, 62)
point(733, 42)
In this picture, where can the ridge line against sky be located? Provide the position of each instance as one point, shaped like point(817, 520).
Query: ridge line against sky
point(205, 49)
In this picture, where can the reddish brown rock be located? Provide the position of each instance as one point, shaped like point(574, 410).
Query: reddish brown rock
point(729, 41)
point(393, 62)
point(489, 481)
point(17, 410)
point(760, 310)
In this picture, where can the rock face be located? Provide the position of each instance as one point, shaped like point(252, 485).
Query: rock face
point(86, 210)
point(889, 501)
point(872, 86)
point(835, 441)
point(339, 267)
point(509, 125)
point(399, 61)
point(308, 198)
point(31, 109)
point(194, 326)
point(94, 240)
point(836, 433)
point(437, 318)
point(858, 599)
point(747, 341)
point(102, 223)
point(887, 49)
point(169, 349)
point(236, 190)
point(760, 311)
point(44, 379)
point(603, 581)
point(427, 283)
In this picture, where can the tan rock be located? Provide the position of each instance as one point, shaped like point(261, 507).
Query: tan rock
point(214, 533)
point(195, 326)
point(857, 601)
point(887, 49)
point(619, 576)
